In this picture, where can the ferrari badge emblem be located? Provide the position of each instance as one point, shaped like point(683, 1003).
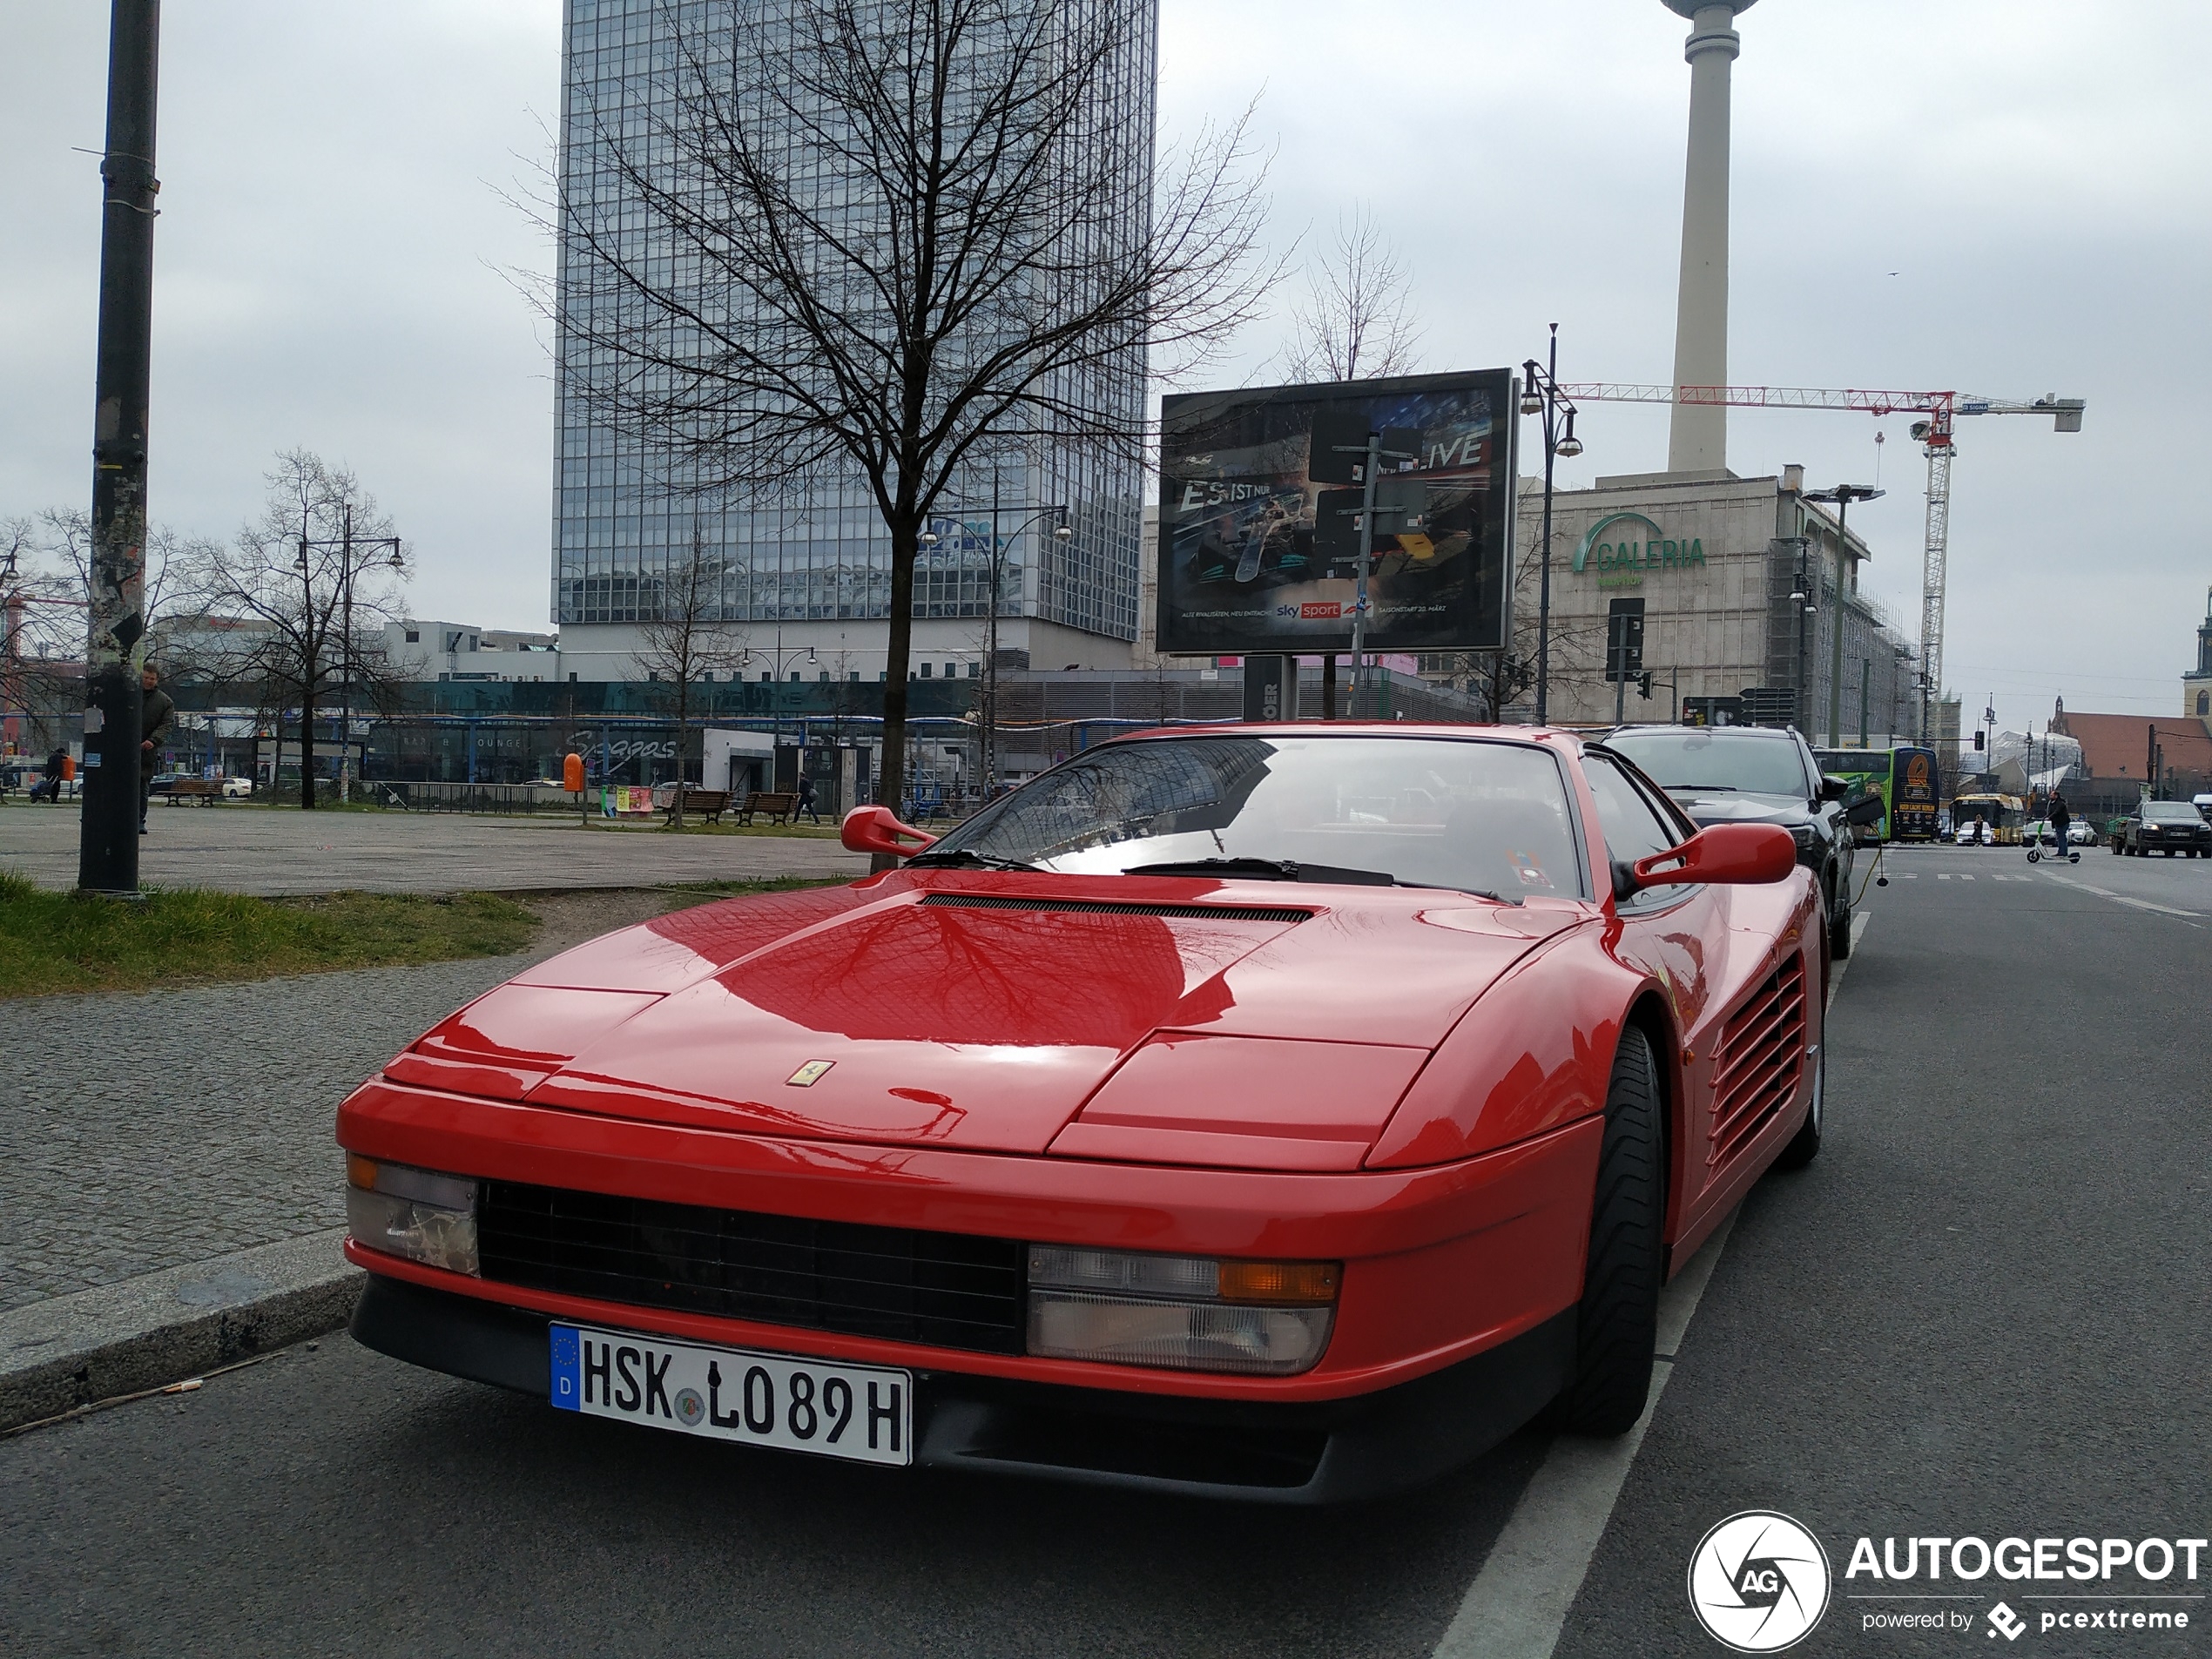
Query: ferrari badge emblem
point(810, 1073)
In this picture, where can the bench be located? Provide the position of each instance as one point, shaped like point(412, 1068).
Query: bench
point(780, 808)
point(709, 804)
point(206, 791)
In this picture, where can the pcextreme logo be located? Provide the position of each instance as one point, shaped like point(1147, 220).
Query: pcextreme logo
point(1758, 1582)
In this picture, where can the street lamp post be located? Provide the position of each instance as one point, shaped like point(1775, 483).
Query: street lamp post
point(1541, 395)
point(1841, 496)
point(1063, 531)
point(347, 547)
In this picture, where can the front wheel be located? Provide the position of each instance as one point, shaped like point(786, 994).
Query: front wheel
point(1839, 931)
point(1617, 1326)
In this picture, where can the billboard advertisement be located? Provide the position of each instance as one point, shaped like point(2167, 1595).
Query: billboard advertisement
point(1256, 554)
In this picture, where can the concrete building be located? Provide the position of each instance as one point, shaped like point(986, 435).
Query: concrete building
point(422, 648)
point(1704, 572)
point(2196, 684)
point(806, 579)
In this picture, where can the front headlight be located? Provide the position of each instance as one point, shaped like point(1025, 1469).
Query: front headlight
point(419, 1214)
point(1182, 1312)
point(1803, 835)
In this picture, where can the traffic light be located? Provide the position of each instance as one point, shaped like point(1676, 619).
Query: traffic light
point(1978, 739)
point(1643, 686)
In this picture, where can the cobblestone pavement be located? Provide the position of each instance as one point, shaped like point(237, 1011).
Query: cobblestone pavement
point(245, 849)
point(139, 1132)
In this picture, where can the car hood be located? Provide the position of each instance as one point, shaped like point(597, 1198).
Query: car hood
point(985, 1011)
point(1727, 807)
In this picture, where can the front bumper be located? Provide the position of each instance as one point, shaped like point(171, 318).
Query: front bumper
point(1263, 1450)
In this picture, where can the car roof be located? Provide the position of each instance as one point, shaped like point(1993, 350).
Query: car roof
point(1784, 734)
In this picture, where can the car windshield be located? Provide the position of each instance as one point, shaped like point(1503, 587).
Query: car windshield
point(2171, 812)
point(1737, 761)
point(1483, 816)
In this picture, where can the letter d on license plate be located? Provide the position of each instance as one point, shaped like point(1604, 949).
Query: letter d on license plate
point(862, 1413)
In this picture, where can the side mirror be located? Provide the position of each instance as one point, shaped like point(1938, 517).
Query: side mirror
point(1834, 788)
point(1742, 854)
point(877, 829)
point(1868, 811)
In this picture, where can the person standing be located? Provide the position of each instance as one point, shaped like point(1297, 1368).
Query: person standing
point(2061, 819)
point(156, 715)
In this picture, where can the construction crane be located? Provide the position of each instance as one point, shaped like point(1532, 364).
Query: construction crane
point(1934, 435)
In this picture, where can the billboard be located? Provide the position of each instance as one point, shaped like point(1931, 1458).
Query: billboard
point(1255, 554)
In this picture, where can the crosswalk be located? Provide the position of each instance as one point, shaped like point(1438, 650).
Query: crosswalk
point(1914, 875)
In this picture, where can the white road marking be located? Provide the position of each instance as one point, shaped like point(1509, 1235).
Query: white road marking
point(2120, 898)
point(1519, 1602)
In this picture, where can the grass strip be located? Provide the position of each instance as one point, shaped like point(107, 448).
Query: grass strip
point(68, 941)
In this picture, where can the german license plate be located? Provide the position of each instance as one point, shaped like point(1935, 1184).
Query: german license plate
point(860, 1412)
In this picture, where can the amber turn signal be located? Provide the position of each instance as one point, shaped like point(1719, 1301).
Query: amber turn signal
point(1283, 1283)
point(360, 1172)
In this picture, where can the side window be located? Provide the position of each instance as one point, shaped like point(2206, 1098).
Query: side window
point(1633, 828)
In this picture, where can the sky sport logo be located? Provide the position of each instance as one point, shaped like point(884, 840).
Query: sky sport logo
point(1758, 1582)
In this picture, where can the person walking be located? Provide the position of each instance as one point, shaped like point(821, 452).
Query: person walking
point(50, 782)
point(2060, 818)
point(806, 797)
point(156, 715)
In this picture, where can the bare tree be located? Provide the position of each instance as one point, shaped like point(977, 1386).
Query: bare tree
point(873, 246)
point(1355, 324)
point(288, 571)
point(687, 637)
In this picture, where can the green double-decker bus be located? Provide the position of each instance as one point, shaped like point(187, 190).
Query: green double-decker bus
point(1905, 778)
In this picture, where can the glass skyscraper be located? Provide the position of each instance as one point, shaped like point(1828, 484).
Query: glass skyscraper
point(812, 569)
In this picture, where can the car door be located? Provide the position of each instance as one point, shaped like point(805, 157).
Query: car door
point(1679, 936)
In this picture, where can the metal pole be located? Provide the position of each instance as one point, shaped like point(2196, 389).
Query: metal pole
point(346, 661)
point(1836, 654)
point(1544, 591)
point(991, 663)
point(107, 836)
point(1367, 551)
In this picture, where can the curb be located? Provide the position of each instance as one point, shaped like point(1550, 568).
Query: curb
point(91, 1346)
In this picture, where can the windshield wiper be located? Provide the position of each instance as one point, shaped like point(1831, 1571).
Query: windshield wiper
point(1719, 789)
point(1270, 870)
point(973, 860)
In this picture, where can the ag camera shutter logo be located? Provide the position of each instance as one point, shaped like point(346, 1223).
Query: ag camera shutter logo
point(1758, 1582)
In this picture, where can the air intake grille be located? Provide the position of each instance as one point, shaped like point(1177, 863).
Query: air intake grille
point(1759, 1061)
point(949, 1290)
point(1115, 908)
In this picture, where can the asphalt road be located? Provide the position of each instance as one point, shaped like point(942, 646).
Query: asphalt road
point(1983, 1312)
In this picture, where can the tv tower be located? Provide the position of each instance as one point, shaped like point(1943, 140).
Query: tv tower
point(1697, 441)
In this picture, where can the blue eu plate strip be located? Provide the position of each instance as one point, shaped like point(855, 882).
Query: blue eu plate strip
point(566, 1370)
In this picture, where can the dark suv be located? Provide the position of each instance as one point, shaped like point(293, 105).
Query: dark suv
point(2168, 826)
point(1743, 774)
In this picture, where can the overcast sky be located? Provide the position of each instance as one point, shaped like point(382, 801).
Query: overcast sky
point(2006, 197)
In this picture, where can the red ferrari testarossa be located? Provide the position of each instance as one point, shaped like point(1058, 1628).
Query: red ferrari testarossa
point(1280, 1112)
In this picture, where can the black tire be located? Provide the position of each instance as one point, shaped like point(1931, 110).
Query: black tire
point(1839, 931)
point(1617, 1326)
point(1804, 1146)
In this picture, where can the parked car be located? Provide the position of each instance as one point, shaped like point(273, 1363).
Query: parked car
point(2168, 826)
point(1742, 774)
point(1286, 1114)
point(238, 788)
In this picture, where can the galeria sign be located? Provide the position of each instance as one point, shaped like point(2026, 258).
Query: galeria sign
point(1622, 548)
